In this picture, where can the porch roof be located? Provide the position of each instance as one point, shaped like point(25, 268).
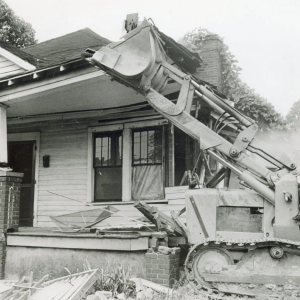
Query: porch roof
point(63, 83)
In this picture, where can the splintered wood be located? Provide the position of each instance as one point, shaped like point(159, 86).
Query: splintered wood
point(72, 287)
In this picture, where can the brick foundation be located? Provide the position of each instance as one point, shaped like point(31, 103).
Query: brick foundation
point(163, 268)
point(9, 210)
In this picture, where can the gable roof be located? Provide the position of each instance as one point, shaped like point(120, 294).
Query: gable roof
point(19, 53)
point(65, 48)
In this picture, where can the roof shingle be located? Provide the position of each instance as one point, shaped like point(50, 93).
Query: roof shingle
point(65, 48)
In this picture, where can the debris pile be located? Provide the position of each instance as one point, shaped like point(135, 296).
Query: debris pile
point(71, 287)
point(144, 289)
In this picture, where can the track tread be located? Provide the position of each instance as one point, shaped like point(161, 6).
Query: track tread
point(246, 244)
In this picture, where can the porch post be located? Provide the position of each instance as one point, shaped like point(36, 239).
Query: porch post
point(126, 168)
point(3, 136)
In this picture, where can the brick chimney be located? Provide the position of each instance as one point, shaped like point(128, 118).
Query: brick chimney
point(211, 69)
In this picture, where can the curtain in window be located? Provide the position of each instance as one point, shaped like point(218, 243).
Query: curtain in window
point(147, 183)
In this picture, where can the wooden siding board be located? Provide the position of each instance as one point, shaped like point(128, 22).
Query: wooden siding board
point(66, 192)
point(9, 69)
point(6, 63)
point(61, 188)
point(46, 172)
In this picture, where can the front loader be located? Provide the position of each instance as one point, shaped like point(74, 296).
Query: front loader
point(246, 235)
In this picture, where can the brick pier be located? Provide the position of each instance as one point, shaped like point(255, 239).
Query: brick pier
point(9, 210)
point(163, 268)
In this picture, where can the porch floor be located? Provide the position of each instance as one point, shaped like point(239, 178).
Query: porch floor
point(42, 237)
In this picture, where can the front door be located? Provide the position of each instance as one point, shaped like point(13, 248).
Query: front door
point(21, 158)
point(108, 166)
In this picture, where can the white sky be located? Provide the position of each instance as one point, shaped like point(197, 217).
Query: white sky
point(264, 35)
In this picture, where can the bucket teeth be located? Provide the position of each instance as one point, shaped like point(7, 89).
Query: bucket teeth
point(297, 217)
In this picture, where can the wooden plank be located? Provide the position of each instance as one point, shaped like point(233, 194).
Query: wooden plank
point(47, 171)
point(85, 286)
point(82, 241)
point(175, 196)
point(176, 202)
point(79, 156)
point(65, 165)
point(59, 188)
point(6, 63)
point(175, 189)
point(62, 177)
point(48, 138)
point(60, 182)
point(9, 69)
point(2, 58)
point(179, 223)
point(62, 151)
point(66, 192)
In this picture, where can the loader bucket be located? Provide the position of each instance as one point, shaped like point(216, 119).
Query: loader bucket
point(138, 59)
point(132, 56)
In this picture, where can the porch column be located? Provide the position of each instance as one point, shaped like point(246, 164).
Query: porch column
point(3, 136)
point(126, 168)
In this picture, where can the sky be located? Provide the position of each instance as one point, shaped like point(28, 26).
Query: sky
point(264, 35)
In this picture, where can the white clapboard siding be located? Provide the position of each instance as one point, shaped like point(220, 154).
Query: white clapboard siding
point(8, 67)
point(67, 146)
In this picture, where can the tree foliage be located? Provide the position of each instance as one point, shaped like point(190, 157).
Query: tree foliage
point(13, 29)
point(246, 100)
point(293, 115)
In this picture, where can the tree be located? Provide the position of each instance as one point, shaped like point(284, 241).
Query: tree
point(13, 29)
point(293, 115)
point(246, 100)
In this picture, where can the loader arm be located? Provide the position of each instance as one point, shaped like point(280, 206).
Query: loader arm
point(148, 61)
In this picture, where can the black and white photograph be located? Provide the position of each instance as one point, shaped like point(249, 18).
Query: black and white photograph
point(149, 150)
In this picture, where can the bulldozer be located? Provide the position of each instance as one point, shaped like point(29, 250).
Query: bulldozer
point(245, 236)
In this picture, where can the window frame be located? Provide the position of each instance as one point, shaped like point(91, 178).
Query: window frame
point(95, 167)
point(147, 129)
point(106, 134)
point(127, 127)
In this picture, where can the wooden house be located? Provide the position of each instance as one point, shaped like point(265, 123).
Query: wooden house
point(85, 141)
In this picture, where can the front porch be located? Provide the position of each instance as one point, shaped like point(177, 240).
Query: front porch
point(44, 251)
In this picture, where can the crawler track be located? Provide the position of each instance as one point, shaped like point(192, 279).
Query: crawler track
point(219, 289)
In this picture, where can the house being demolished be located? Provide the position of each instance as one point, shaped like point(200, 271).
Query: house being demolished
point(85, 142)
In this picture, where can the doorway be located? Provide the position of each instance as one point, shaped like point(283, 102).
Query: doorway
point(21, 158)
point(108, 166)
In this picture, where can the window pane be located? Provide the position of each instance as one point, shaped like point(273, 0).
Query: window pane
point(151, 147)
point(118, 160)
point(98, 152)
point(147, 147)
point(136, 148)
point(108, 149)
point(108, 184)
point(105, 151)
point(144, 147)
point(158, 146)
